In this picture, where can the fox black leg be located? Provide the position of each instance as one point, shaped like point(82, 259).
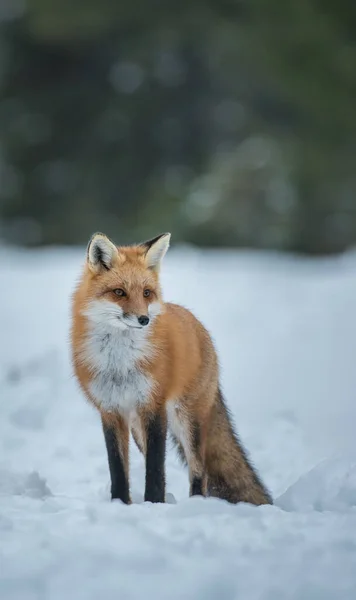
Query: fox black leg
point(156, 433)
point(196, 466)
point(116, 439)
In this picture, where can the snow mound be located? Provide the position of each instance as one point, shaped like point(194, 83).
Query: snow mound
point(19, 484)
point(330, 486)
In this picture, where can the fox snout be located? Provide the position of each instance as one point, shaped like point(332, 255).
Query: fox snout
point(135, 319)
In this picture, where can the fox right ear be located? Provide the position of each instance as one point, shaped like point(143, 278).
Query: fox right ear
point(101, 253)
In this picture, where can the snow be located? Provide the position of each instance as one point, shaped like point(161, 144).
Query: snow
point(329, 486)
point(285, 329)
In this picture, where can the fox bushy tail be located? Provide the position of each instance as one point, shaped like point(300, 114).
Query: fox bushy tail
point(230, 475)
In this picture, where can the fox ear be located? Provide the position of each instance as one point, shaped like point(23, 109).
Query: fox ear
point(101, 253)
point(156, 249)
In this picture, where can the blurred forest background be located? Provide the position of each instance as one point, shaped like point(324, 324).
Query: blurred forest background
point(227, 122)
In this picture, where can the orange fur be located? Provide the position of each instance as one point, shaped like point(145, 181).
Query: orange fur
point(178, 361)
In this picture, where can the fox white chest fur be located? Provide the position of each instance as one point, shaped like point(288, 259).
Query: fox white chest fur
point(112, 355)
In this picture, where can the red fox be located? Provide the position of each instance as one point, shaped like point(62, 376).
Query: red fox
point(150, 366)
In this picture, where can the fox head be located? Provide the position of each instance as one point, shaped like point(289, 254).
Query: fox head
point(123, 288)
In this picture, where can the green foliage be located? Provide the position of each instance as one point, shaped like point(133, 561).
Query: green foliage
point(228, 122)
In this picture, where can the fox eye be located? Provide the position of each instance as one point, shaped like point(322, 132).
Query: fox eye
point(146, 293)
point(119, 292)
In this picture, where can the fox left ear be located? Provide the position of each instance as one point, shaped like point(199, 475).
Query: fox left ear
point(156, 249)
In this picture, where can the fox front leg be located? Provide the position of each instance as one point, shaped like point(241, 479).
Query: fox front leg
point(156, 434)
point(116, 436)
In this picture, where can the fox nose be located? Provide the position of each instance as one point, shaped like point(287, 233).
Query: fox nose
point(143, 320)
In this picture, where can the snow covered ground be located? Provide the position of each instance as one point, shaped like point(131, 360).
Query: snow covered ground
point(286, 334)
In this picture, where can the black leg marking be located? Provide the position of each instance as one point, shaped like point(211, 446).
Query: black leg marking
point(197, 486)
point(155, 459)
point(197, 468)
point(119, 482)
